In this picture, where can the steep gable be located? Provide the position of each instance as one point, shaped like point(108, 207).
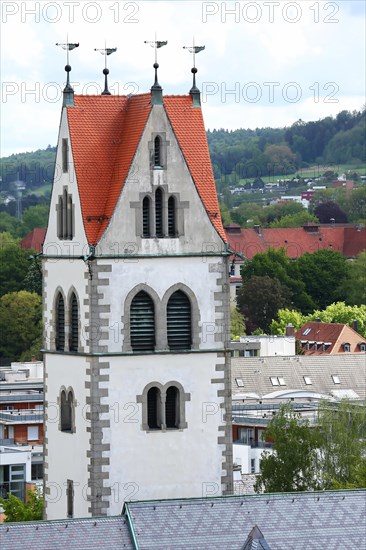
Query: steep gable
point(188, 126)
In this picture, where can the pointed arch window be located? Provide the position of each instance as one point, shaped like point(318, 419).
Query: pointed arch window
point(74, 323)
point(172, 217)
point(146, 207)
point(60, 323)
point(157, 151)
point(179, 321)
point(172, 407)
point(159, 212)
point(65, 216)
point(142, 323)
point(70, 498)
point(154, 408)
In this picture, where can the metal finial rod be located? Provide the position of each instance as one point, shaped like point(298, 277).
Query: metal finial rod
point(193, 50)
point(105, 51)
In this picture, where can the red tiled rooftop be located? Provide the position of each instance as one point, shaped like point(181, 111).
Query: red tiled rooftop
point(333, 334)
point(105, 132)
point(349, 241)
point(34, 240)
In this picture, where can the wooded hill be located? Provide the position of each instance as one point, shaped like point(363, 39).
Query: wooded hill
point(236, 155)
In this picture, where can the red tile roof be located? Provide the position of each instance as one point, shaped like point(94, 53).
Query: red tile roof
point(34, 239)
point(350, 241)
point(189, 128)
point(105, 132)
point(333, 334)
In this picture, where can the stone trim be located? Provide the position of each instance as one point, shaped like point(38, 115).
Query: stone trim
point(98, 328)
point(183, 397)
point(98, 455)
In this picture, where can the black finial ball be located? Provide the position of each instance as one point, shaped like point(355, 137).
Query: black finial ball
point(105, 71)
point(67, 68)
point(194, 70)
point(156, 65)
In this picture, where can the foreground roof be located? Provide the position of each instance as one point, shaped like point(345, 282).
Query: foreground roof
point(287, 521)
point(105, 132)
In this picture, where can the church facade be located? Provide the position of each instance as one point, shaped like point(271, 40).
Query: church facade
point(136, 309)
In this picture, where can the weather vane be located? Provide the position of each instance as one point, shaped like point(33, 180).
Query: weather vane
point(105, 51)
point(194, 90)
point(194, 49)
point(156, 44)
point(68, 90)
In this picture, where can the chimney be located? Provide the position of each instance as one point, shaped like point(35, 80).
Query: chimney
point(257, 229)
point(355, 325)
point(317, 320)
point(290, 331)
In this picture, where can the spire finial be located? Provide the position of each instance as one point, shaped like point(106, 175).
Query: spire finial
point(105, 51)
point(68, 90)
point(194, 91)
point(156, 89)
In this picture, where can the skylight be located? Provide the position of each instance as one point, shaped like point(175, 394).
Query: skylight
point(306, 331)
point(274, 381)
point(335, 379)
point(281, 381)
point(239, 382)
point(307, 380)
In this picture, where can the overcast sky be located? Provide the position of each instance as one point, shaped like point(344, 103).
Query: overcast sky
point(265, 63)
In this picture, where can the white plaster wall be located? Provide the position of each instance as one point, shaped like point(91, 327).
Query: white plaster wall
point(199, 233)
point(52, 245)
point(171, 464)
point(160, 274)
point(66, 274)
point(66, 453)
point(242, 454)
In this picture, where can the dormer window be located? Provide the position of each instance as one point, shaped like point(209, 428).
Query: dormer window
point(157, 151)
point(362, 346)
point(346, 346)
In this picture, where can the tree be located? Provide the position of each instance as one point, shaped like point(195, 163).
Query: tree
point(20, 323)
point(14, 266)
point(17, 510)
point(275, 264)
point(342, 434)
point(323, 273)
point(339, 312)
point(259, 299)
point(291, 466)
point(10, 224)
point(35, 216)
point(295, 220)
point(281, 158)
point(329, 211)
point(330, 455)
point(237, 327)
point(33, 279)
point(284, 317)
point(354, 287)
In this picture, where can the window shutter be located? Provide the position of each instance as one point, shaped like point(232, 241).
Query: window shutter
point(159, 213)
point(179, 321)
point(171, 217)
point(146, 217)
point(142, 323)
point(60, 323)
point(74, 324)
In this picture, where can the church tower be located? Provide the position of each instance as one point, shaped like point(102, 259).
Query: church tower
point(136, 308)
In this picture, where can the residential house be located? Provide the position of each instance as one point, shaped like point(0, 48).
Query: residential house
point(318, 338)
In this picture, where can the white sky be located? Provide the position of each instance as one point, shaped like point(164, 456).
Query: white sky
point(265, 63)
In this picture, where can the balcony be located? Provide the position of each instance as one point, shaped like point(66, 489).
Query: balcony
point(22, 416)
point(254, 444)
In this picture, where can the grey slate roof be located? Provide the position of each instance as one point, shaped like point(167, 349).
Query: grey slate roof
point(256, 372)
point(78, 534)
point(298, 521)
point(330, 520)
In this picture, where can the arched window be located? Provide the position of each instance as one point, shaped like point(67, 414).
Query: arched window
point(142, 323)
point(179, 324)
point(60, 323)
point(157, 151)
point(172, 407)
point(60, 225)
point(159, 212)
point(70, 219)
point(146, 217)
point(66, 405)
point(154, 408)
point(171, 217)
point(74, 324)
point(70, 498)
point(65, 217)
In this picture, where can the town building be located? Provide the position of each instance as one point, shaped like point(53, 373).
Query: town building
point(136, 307)
point(318, 338)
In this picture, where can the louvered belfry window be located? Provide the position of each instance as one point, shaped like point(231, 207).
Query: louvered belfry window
point(171, 217)
point(157, 151)
point(74, 324)
point(146, 217)
point(142, 323)
point(60, 323)
point(179, 321)
point(172, 407)
point(159, 212)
